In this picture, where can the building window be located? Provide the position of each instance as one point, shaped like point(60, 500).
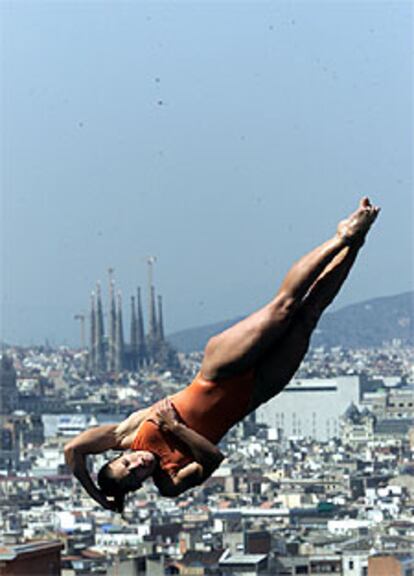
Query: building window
point(351, 565)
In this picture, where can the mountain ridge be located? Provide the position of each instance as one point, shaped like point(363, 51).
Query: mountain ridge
point(366, 324)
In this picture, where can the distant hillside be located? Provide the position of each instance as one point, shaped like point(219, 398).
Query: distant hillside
point(367, 324)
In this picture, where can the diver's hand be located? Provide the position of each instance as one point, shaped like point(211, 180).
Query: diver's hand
point(165, 416)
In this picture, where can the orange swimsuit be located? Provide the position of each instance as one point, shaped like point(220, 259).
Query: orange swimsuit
point(209, 407)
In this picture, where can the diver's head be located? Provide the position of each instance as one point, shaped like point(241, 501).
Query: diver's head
point(126, 473)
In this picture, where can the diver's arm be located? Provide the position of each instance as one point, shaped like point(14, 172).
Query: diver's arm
point(77, 463)
point(172, 486)
point(204, 452)
point(97, 440)
point(93, 441)
point(188, 477)
point(207, 457)
point(126, 430)
point(108, 436)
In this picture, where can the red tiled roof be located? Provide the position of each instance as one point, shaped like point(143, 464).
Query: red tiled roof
point(266, 505)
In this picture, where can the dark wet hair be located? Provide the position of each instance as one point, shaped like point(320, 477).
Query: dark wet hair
point(117, 488)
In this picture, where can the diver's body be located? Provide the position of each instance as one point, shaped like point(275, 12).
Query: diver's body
point(175, 440)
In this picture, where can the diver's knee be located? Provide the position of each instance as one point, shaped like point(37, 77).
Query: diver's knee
point(210, 347)
point(285, 305)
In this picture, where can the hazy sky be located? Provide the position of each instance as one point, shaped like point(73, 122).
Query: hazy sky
point(226, 138)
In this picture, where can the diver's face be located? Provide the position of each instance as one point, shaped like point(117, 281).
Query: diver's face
point(134, 467)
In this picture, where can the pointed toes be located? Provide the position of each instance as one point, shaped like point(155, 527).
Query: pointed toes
point(365, 202)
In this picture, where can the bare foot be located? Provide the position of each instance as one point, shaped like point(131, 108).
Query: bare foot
point(354, 228)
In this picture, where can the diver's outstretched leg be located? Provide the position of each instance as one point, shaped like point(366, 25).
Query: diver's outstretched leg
point(239, 347)
point(279, 364)
point(281, 361)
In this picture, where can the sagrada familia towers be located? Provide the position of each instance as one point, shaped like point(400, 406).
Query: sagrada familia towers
point(111, 353)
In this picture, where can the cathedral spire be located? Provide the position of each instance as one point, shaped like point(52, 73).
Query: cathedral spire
point(134, 335)
point(112, 322)
point(119, 356)
point(142, 353)
point(160, 331)
point(152, 332)
point(92, 340)
point(99, 331)
point(152, 315)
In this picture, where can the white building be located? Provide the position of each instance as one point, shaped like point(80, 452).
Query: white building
point(311, 407)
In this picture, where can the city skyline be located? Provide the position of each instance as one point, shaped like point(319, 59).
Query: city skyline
point(143, 128)
point(297, 479)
